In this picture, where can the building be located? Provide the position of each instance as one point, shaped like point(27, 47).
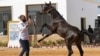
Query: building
point(11, 9)
point(82, 8)
point(71, 10)
point(82, 13)
point(79, 13)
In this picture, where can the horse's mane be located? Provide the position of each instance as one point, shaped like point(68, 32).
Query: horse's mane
point(60, 16)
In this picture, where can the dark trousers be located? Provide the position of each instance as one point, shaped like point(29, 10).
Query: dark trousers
point(25, 47)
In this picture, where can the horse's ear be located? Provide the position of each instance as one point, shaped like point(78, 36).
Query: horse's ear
point(45, 3)
point(49, 2)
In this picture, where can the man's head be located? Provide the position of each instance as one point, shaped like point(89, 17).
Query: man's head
point(89, 26)
point(22, 18)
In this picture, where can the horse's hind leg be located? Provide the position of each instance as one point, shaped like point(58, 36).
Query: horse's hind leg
point(78, 44)
point(69, 47)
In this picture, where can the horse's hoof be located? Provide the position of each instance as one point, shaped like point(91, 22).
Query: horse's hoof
point(42, 34)
point(39, 41)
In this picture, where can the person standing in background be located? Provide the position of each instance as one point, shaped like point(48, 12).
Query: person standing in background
point(91, 33)
point(90, 30)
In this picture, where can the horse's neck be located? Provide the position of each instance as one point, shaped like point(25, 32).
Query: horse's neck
point(61, 22)
point(56, 15)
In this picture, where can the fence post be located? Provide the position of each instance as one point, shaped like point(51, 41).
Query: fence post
point(35, 33)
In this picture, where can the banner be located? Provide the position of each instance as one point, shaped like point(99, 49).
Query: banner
point(13, 34)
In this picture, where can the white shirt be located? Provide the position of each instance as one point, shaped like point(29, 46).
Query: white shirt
point(23, 31)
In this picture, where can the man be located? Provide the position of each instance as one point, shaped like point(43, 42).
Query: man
point(90, 29)
point(91, 33)
point(24, 36)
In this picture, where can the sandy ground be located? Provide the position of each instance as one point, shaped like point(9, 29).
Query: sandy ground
point(49, 51)
point(4, 51)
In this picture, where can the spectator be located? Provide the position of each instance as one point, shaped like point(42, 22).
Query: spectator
point(91, 33)
point(90, 30)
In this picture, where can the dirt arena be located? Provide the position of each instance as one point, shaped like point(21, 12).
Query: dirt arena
point(50, 51)
point(88, 51)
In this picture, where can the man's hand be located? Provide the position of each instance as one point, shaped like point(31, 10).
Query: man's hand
point(27, 24)
point(29, 21)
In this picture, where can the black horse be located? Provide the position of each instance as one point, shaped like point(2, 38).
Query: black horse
point(71, 34)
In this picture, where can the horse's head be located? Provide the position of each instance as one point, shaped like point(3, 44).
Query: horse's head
point(47, 7)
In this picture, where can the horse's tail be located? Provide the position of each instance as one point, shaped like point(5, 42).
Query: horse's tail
point(81, 34)
point(85, 32)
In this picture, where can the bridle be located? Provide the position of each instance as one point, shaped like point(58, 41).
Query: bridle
point(49, 10)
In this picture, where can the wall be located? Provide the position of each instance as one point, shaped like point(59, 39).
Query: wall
point(71, 11)
point(79, 8)
point(18, 6)
point(90, 13)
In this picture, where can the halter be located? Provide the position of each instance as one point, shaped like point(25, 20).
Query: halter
point(49, 10)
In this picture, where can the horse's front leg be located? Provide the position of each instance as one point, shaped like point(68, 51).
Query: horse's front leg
point(49, 28)
point(42, 27)
point(45, 37)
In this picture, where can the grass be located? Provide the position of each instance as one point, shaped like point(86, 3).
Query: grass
point(48, 41)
